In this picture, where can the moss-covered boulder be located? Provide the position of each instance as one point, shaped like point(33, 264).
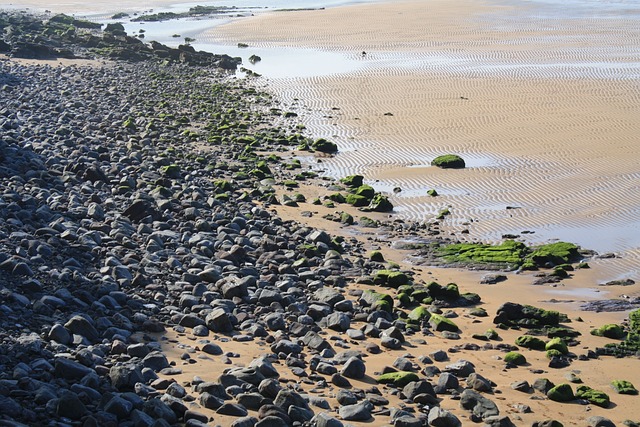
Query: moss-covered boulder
point(398, 379)
point(324, 146)
point(377, 300)
point(366, 191)
point(561, 393)
point(336, 197)
point(380, 203)
point(357, 200)
point(596, 397)
point(623, 387)
point(440, 323)
point(554, 254)
point(353, 181)
point(346, 218)
point(419, 313)
point(390, 278)
point(530, 342)
point(171, 171)
point(515, 358)
point(514, 314)
point(376, 256)
point(551, 353)
point(557, 344)
point(610, 330)
point(449, 161)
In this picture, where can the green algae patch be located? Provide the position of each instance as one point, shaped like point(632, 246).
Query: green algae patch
point(554, 253)
point(515, 358)
point(561, 393)
point(509, 254)
point(440, 323)
point(530, 342)
point(610, 330)
point(449, 161)
point(596, 397)
point(398, 379)
point(623, 387)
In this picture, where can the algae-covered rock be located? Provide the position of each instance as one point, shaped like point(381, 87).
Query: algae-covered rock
point(324, 146)
point(377, 300)
point(441, 323)
point(390, 278)
point(557, 344)
point(366, 191)
point(515, 358)
point(419, 313)
point(380, 203)
point(513, 314)
point(610, 330)
point(353, 181)
point(336, 197)
point(531, 342)
point(561, 393)
point(623, 387)
point(357, 200)
point(376, 256)
point(551, 353)
point(398, 379)
point(596, 397)
point(346, 218)
point(171, 171)
point(554, 254)
point(449, 161)
point(509, 254)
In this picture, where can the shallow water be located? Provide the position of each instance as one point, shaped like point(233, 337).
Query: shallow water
point(283, 66)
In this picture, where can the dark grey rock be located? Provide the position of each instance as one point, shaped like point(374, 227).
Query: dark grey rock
point(358, 412)
point(439, 417)
point(70, 406)
point(479, 405)
point(232, 409)
point(354, 368)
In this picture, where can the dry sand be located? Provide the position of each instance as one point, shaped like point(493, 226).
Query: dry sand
point(541, 101)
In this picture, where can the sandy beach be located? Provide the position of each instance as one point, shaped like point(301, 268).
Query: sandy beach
point(543, 107)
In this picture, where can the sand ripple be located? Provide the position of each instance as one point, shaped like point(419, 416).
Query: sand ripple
point(542, 104)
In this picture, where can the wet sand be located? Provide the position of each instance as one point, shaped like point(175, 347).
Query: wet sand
point(542, 104)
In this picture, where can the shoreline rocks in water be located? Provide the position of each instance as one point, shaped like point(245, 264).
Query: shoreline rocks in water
point(133, 199)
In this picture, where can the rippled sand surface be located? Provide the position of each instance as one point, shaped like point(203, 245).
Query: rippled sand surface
point(541, 98)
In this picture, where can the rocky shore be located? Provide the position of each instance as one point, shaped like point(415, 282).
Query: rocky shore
point(135, 200)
